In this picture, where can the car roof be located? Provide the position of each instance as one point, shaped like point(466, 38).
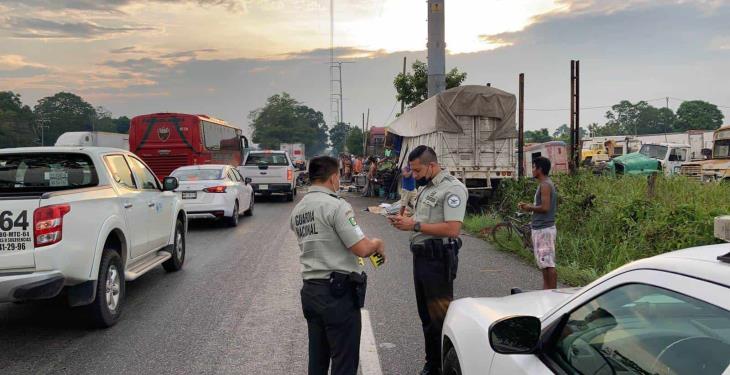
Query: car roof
point(699, 262)
point(49, 149)
point(202, 166)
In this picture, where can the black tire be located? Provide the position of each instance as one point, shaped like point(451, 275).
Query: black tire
point(290, 197)
point(175, 263)
point(504, 236)
point(295, 191)
point(106, 308)
point(233, 220)
point(249, 212)
point(451, 363)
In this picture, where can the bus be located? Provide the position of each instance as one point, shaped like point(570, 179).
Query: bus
point(166, 141)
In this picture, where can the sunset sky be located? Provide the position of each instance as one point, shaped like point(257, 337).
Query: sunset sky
point(225, 57)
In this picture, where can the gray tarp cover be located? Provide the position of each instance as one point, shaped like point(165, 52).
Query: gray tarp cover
point(439, 112)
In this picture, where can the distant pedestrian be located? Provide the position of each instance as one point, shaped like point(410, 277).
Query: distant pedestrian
point(544, 231)
point(408, 191)
point(357, 167)
point(334, 285)
point(369, 189)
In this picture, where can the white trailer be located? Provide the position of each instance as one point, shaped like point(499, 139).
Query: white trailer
point(471, 128)
point(295, 150)
point(696, 139)
point(94, 139)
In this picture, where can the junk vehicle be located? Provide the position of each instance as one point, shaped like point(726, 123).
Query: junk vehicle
point(556, 151)
point(471, 128)
point(84, 220)
point(651, 158)
point(718, 168)
point(295, 151)
point(96, 139)
point(599, 150)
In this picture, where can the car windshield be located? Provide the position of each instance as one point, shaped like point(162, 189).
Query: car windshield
point(654, 151)
point(197, 174)
point(721, 149)
point(266, 158)
point(41, 172)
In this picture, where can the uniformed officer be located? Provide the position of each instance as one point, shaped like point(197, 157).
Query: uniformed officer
point(436, 224)
point(334, 284)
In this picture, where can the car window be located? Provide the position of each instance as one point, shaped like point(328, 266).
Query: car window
point(197, 174)
point(231, 176)
point(642, 329)
point(266, 158)
point(41, 172)
point(121, 173)
point(147, 180)
point(238, 175)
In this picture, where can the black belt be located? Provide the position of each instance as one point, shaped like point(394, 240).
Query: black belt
point(317, 282)
point(437, 251)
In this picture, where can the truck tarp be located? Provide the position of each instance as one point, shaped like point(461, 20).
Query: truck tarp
point(438, 113)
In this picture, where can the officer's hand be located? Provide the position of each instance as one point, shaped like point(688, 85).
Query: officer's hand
point(380, 249)
point(403, 223)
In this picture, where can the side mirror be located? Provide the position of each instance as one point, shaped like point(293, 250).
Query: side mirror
point(247, 180)
point(170, 183)
point(515, 335)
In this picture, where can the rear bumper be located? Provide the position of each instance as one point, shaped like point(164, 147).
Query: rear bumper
point(272, 188)
point(219, 206)
point(27, 286)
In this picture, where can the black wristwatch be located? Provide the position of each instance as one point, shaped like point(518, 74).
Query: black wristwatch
point(417, 227)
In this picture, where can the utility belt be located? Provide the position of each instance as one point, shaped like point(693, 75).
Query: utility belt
point(341, 284)
point(437, 248)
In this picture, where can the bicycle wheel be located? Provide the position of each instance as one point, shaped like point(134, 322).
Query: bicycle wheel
point(504, 236)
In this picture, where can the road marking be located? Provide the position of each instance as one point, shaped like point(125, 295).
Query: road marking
point(369, 360)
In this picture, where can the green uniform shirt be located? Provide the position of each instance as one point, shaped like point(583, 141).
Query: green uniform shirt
point(442, 200)
point(325, 227)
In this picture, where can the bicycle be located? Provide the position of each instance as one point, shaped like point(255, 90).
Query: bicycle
point(512, 228)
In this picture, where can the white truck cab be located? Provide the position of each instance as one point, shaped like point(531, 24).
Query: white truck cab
point(271, 172)
point(670, 155)
point(84, 219)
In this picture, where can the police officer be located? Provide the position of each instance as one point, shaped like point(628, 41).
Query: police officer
point(331, 243)
point(436, 224)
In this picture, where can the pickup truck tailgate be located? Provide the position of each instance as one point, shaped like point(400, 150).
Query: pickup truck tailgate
point(16, 233)
point(271, 175)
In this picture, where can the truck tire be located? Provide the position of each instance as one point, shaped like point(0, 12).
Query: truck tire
point(451, 363)
point(106, 308)
point(290, 197)
point(249, 212)
point(177, 259)
point(233, 220)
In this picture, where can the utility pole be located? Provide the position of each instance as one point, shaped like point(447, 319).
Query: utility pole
point(521, 130)
point(574, 115)
point(436, 48)
point(364, 137)
point(337, 98)
point(403, 102)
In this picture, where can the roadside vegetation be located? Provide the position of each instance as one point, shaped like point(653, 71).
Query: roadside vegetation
point(604, 223)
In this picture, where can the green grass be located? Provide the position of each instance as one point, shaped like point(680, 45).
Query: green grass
point(621, 224)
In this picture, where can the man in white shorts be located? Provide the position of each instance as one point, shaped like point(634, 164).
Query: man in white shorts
point(543, 222)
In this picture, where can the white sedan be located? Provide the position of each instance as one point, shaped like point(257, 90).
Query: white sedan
point(214, 192)
point(669, 314)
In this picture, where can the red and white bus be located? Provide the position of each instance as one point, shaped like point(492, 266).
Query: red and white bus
point(166, 141)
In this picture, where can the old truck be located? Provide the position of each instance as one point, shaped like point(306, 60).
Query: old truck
point(717, 168)
point(599, 150)
point(471, 128)
point(666, 158)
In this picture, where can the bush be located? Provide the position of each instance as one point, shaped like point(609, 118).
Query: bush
point(604, 223)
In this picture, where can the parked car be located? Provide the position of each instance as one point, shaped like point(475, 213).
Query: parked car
point(669, 314)
point(271, 172)
point(84, 219)
point(214, 192)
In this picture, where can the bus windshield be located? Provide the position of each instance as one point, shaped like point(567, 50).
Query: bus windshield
point(721, 149)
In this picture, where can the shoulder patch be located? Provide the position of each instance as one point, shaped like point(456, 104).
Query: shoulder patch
point(352, 221)
point(453, 200)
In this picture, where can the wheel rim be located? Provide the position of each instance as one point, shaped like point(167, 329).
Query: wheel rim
point(113, 287)
point(179, 245)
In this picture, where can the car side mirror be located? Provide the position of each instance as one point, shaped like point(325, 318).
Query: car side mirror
point(515, 335)
point(247, 180)
point(170, 183)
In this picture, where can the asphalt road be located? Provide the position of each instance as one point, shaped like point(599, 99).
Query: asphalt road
point(235, 309)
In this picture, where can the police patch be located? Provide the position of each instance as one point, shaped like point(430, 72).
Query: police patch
point(453, 201)
point(352, 221)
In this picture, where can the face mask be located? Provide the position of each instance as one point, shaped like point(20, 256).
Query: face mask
point(423, 181)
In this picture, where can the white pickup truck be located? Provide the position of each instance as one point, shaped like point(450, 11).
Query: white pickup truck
point(271, 172)
point(84, 219)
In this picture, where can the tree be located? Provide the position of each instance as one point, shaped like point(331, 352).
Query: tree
point(698, 115)
point(537, 136)
point(641, 118)
point(338, 137)
point(562, 133)
point(354, 141)
point(16, 121)
point(60, 113)
point(285, 120)
point(412, 88)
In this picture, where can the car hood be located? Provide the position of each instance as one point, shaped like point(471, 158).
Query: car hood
point(535, 303)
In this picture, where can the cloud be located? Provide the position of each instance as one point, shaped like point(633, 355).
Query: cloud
point(127, 50)
point(115, 6)
point(339, 53)
point(38, 28)
point(15, 66)
point(188, 54)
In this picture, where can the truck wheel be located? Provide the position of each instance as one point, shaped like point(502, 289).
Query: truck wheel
point(233, 220)
point(290, 196)
point(249, 212)
point(107, 306)
point(451, 363)
point(175, 262)
point(295, 191)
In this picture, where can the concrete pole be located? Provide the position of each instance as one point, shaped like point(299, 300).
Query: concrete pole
point(521, 130)
point(436, 48)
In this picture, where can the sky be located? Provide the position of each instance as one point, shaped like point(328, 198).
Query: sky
point(225, 57)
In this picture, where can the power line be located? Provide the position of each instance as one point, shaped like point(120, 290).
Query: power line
point(586, 108)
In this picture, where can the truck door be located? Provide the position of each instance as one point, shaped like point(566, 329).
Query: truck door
point(157, 203)
point(133, 201)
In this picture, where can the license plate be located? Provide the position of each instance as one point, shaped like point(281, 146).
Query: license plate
point(263, 187)
point(189, 195)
